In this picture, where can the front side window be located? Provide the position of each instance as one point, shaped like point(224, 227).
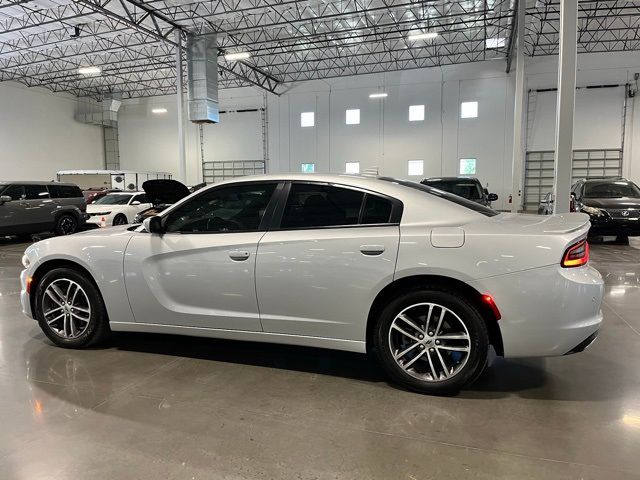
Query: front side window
point(116, 199)
point(16, 192)
point(314, 205)
point(463, 188)
point(142, 198)
point(234, 208)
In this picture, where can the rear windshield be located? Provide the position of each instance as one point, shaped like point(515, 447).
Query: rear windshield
point(476, 207)
point(463, 188)
point(611, 189)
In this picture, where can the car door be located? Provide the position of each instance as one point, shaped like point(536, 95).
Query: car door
point(201, 271)
point(319, 270)
point(12, 218)
point(39, 208)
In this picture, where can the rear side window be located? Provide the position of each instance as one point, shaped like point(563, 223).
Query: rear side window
point(376, 210)
point(36, 192)
point(313, 205)
point(65, 191)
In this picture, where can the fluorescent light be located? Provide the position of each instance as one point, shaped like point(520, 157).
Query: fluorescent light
point(423, 36)
point(378, 95)
point(232, 57)
point(158, 110)
point(89, 70)
point(495, 42)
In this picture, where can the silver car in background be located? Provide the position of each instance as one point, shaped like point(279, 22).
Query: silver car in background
point(425, 279)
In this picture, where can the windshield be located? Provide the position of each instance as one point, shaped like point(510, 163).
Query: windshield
point(113, 200)
point(476, 207)
point(463, 188)
point(611, 189)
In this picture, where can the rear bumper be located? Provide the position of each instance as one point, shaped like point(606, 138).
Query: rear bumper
point(546, 311)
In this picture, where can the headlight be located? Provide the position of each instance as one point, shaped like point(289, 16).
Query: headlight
point(100, 214)
point(25, 261)
point(596, 212)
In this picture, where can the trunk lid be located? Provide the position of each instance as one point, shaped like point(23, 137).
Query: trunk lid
point(526, 224)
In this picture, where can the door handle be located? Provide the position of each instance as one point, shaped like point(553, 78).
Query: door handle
point(372, 250)
point(239, 255)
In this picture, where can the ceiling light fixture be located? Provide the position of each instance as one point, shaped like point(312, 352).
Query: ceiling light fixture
point(232, 57)
point(158, 110)
point(89, 70)
point(422, 36)
point(378, 95)
point(495, 42)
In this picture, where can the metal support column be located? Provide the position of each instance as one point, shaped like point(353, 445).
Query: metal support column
point(180, 104)
point(566, 104)
point(518, 146)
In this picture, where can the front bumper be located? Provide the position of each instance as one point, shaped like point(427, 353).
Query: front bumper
point(25, 299)
point(615, 226)
point(546, 311)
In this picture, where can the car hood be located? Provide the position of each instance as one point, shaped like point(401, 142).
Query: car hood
point(97, 207)
point(164, 191)
point(621, 202)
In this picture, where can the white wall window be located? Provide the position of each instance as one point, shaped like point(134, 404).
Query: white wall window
point(308, 167)
point(416, 113)
point(468, 109)
point(415, 167)
point(307, 119)
point(352, 167)
point(352, 117)
point(467, 166)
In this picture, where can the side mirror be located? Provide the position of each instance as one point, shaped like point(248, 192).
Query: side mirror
point(135, 202)
point(153, 225)
point(493, 197)
point(486, 192)
point(4, 199)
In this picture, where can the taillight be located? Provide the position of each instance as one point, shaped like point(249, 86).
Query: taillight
point(576, 255)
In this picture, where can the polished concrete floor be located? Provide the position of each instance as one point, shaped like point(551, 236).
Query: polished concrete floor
point(158, 407)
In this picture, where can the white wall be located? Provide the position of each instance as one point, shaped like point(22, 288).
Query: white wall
point(385, 138)
point(39, 136)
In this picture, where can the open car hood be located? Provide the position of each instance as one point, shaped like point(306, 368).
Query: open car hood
point(164, 191)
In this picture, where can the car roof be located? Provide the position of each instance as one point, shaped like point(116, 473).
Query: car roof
point(448, 179)
point(123, 193)
point(603, 179)
point(25, 182)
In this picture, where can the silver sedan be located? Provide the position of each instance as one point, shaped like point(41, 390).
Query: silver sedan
point(427, 280)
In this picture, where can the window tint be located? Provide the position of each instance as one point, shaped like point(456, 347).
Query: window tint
point(226, 209)
point(64, 191)
point(611, 189)
point(140, 198)
point(376, 210)
point(36, 192)
point(16, 192)
point(312, 205)
point(463, 188)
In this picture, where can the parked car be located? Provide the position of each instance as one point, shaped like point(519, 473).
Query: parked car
point(92, 194)
point(426, 279)
point(613, 204)
point(465, 187)
point(162, 194)
point(34, 207)
point(546, 204)
point(118, 208)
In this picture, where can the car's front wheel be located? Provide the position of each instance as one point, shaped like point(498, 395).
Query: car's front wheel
point(120, 219)
point(70, 309)
point(432, 341)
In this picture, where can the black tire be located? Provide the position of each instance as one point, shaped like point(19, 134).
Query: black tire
point(66, 224)
point(97, 327)
point(460, 310)
point(622, 240)
point(120, 219)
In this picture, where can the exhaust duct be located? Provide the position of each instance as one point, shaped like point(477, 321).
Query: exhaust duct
point(202, 76)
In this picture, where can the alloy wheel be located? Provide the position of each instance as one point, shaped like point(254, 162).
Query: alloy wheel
point(429, 342)
point(67, 225)
point(66, 308)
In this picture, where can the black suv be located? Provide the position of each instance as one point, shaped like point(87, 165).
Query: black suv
point(612, 203)
point(34, 207)
point(469, 188)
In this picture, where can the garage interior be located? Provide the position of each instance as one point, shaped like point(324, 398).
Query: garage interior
point(526, 96)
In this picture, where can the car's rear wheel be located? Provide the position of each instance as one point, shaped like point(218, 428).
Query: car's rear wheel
point(432, 341)
point(120, 219)
point(70, 309)
point(66, 224)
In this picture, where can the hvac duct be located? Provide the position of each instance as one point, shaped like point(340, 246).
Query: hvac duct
point(202, 75)
point(103, 113)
